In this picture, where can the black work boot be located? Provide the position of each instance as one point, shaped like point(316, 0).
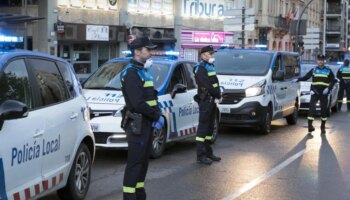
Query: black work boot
point(214, 158)
point(310, 127)
point(323, 127)
point(204, 160)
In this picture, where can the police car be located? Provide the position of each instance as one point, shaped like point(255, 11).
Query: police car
point(46, 142)
point(257, 87)
point(305, 88)
point(174, 80)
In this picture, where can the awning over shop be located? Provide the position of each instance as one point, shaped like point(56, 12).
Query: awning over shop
point(12, 19)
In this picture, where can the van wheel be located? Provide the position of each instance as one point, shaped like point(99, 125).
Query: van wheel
point(79, 176)
point(293, 118)
point(158, 143)
point(265, 127)
point(215, 130)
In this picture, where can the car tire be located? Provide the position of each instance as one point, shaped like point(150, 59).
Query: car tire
point(79, 176)
point(293, 118)
point(265, 127)
point(158, 142)
point(216, 129)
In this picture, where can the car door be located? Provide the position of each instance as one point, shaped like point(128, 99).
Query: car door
point(291, 71)
point(60, 118)
point(279, 88)
point(192, 90)
point(20, 139)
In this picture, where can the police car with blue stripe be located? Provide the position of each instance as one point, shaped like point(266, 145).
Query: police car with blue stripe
point(176, 86)
point(46, 142)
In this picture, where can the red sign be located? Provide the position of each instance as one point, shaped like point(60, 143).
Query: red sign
point(208, 37)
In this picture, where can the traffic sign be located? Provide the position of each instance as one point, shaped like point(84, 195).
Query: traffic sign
point(238, 21)
point(238, 28)
point(238, 12)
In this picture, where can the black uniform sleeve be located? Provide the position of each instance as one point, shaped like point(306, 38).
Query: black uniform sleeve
point(133, 86)
point(339, 74)
point(203, 81)
point(331, 79)
point(306, 76)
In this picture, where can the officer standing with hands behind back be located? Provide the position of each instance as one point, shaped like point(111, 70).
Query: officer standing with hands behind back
point(208, 91)
point(140, 116)
point(323, 81)
point(343, 75)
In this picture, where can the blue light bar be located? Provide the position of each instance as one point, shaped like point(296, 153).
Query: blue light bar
point(172, 53)
point(126, 52)
point(10, 39)
point(261, 46)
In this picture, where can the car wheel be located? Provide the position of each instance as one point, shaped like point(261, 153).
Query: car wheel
point(293, 118)
point(158, 143)
point(215, 130)
point(79, 176)
point(265, 127)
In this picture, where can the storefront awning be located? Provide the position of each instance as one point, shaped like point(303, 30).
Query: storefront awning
point(12, 19)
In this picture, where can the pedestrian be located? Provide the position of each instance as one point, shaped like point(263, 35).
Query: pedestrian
point(140, 116)
point(343, 75)
point(323, 81)
point(208, 91)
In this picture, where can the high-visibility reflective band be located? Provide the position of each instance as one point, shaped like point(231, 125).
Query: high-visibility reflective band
point(310, 118)
point(140, 185)
point(320, 83)
point(211, 73)
point(348, 101)
point(148, 84)
point(200, 139)
point(323, 118)
point(208, 137)
point(346, 78)
point(346, 72)
point(340, 101)
point(320, 75)
point(152, 103)
point(129, 190)
point(215, 85)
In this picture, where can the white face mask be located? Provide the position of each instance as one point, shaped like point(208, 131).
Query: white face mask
point(148, 63)
point(211, 60)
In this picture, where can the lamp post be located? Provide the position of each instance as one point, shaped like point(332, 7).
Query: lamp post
point(298, 26)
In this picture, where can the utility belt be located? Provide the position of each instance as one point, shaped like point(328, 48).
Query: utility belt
point(135, 120)
point(203, 96)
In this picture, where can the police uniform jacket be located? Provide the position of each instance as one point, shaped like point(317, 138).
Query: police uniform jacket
point(321, 79)
point(207, 80)
point(343, 73)
point(139, 92)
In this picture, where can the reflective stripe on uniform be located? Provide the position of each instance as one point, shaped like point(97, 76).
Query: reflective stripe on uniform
point(211, 73)
point(148, 84)
point(129, 189)
point(140, 185)
point(208, 137)
point(310, 118)
point(320, 83)
point(215, 85)
point(323, 118)
point(320, 75)
point(346, 78)
point(340, 101)
point(152, 103)
point(200, 139)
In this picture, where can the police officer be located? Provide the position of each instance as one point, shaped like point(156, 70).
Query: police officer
point(343, 75)
point(208, 91)
point(322, 82)
point(141, 100)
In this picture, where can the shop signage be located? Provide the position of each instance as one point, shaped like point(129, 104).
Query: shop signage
point(89, 4)
point(203, 8)
point(97, 33)
point(208, 37)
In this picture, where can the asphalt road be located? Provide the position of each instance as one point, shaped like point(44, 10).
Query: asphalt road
point(286, 164)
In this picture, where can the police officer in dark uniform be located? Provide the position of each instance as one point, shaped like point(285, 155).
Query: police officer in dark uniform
point(323, 81)
point(140, 116)
point(343, 75)
point(208, 91)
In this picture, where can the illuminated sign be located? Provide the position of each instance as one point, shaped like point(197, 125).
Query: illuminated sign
point(4, 38)
point(208, 37)
point(203, 8)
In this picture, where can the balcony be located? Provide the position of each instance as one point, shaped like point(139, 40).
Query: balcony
point(333, 29)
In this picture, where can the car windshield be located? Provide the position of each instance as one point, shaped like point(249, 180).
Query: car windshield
point(242, 63)
point(108, 76)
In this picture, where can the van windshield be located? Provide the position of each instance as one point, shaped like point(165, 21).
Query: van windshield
point(242, 63)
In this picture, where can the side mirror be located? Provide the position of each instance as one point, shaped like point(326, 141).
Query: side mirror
point(178, 88)
point(12, 109)
point(279, 76)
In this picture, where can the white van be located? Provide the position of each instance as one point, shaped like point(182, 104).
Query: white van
point(257, 87)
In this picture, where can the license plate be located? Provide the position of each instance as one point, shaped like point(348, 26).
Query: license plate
point(225, 110)
point(94, 127)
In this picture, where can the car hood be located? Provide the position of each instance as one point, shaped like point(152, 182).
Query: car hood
point(238, 82)
point(104, 99)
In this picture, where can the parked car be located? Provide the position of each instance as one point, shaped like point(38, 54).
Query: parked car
point(305, 89)
point(46, 142)
point(174, 80)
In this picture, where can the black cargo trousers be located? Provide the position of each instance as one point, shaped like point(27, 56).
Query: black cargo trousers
point(139, 149)
point(207, 112)
point(344, 85)
point(324, 108)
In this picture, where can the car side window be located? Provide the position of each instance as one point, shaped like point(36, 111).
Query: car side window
point(14, 83)
point(277, 65)
point(67, 77)
point(50, 82)
point(177, 77)
point(191, 81)
point(290, 65)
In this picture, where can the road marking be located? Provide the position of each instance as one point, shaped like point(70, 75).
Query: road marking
point(265, 176)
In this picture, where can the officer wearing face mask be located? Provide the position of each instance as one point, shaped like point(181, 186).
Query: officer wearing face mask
point(140, 116)
point(208, 91)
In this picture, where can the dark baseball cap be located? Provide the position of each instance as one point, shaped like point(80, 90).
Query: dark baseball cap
point(321, 57)
point(142, 42)
point(208, 49)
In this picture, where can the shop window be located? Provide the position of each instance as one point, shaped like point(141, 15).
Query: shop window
point(82, 68)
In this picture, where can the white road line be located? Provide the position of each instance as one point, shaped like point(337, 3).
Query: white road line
point(265, 176)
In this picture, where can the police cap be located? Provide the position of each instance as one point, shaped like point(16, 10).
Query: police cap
point(320, 57)
point(209, 48)
point(142, 42)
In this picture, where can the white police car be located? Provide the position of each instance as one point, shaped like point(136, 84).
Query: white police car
point(257, 87)
point(46, 142)
point(174, 80)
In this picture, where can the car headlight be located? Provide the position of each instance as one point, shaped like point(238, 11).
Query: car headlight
point(256, 89)
point(86, 113)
